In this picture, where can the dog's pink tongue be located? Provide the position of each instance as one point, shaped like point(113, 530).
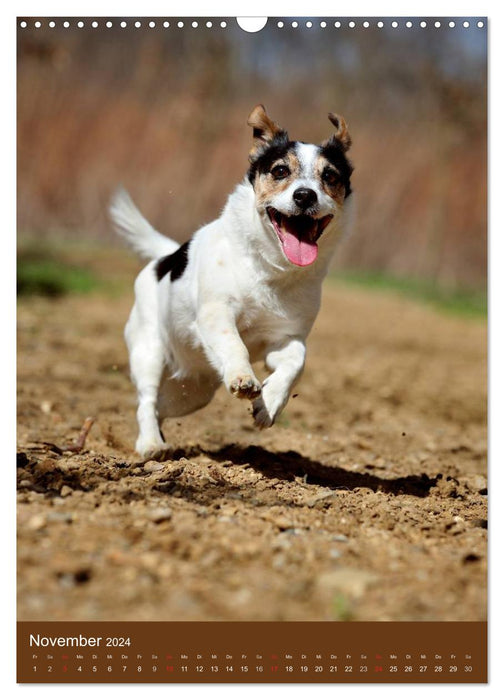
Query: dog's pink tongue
point(299, 252)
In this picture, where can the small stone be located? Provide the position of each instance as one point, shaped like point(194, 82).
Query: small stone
point(281, 522)
point(319, 498)
point(340, 538)
point(65, 491)
point(36, 522)
point(66, 580)
point(226, 519)
point(159, 515)
point(279, 561)
point(56, 517)
point(153, 466)
point(293, 531)
point(346, 580)
point(478, 482)
point(150, 560)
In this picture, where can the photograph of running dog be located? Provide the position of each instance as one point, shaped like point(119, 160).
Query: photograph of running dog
point(246, 287)
point(266, 398)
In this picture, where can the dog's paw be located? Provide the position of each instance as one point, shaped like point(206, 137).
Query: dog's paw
point(245, 387)
point(158, 451)
point(262, 418)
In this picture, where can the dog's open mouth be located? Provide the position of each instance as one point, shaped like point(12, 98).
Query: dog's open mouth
point(298, 235)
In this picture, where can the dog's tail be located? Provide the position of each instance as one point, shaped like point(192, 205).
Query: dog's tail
point(136, 230)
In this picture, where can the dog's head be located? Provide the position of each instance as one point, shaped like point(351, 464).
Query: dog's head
point(300, 188)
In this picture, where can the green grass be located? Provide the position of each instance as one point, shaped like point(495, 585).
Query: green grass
point(40, 273)
point(56, 267)
point(341, 608)
point(463, 302)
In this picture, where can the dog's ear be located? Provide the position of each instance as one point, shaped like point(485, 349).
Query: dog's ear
point(341, 134)
point(265, 129)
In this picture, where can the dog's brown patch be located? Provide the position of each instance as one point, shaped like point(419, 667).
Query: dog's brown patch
point(265, 129)
point(341, 133)
point(265, 184)
point(337, 190)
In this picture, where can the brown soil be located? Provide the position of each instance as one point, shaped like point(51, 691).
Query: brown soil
point(368, 501)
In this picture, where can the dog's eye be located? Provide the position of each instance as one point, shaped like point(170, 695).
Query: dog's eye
point(330, 176)
point(280, 172)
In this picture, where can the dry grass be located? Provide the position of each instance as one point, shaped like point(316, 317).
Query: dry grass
point(166, 116)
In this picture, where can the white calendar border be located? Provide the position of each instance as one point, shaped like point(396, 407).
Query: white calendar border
point(496, 242)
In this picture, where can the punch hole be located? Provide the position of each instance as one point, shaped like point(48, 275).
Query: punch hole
point(481, 25)
point(252, 24)
point(466, 25)
point(94, 24)
point(380, 25)
point(166, 24)
point(280, 25)
point(223, 25)
point(323, 25)
point(152, 25)
point(209, 25)
point(365, 24)
point(395, 25)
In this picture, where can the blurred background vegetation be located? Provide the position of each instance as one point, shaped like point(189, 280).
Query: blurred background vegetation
point(163, 111)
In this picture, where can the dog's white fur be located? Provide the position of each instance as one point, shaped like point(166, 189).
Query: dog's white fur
point(238, 301)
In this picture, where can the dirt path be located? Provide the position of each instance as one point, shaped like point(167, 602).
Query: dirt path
point(368, 501)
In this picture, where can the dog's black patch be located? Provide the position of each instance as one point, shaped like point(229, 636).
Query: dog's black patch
point(334, 152)
point(175, 264)
point(277, 148)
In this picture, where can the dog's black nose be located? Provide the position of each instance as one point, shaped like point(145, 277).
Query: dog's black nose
point(304, 197)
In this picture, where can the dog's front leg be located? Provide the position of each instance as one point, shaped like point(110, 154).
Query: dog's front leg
point(226, 351)
point(287, 363)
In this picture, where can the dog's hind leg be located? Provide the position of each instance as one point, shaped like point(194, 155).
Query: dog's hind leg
point(146, 363)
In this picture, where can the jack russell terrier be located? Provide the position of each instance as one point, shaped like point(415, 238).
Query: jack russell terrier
point(244, 288)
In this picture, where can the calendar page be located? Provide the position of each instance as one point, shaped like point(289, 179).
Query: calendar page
point(252, 350)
